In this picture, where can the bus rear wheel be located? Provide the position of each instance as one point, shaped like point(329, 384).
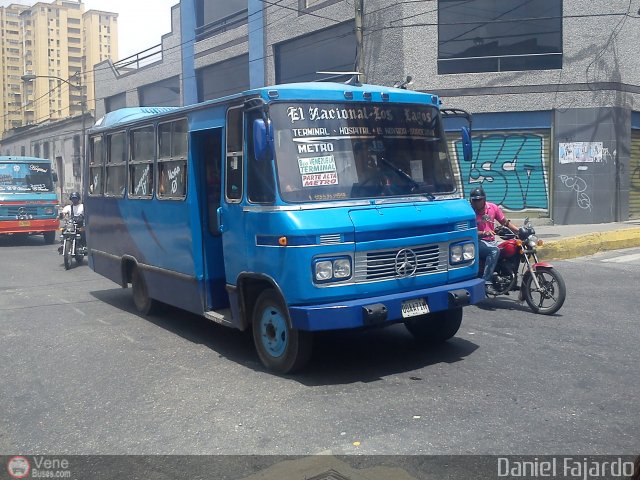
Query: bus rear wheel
point(144, 304)
point(281, 348)
point(437, 327)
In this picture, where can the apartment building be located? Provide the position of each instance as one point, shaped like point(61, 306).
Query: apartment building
point(58, 42)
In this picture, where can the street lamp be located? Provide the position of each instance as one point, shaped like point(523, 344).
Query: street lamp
point(29, 77)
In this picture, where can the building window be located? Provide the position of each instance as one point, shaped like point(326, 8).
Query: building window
point(332, 49)
point(496, 36)
point(165, 93)
point(217, 17)
point(224, 78)
point(115, 102)
point(311, 5)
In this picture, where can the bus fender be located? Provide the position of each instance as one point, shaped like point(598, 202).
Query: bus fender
point(127, 264)
point(250, 285)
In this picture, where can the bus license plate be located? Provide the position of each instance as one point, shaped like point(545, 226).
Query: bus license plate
point(24, 223)
point(415, 307)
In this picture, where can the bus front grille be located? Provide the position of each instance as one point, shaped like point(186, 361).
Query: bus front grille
point(15, 211)
point(382, 265)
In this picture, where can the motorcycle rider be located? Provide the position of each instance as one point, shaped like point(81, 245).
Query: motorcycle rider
point(487, 214)
point(75, 210)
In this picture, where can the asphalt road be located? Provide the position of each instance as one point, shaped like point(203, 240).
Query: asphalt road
point(82, 373)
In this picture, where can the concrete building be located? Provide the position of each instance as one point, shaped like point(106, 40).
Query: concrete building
point(552, 84)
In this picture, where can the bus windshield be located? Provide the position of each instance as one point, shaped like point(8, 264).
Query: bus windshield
point(339, 151)
point(25, 177)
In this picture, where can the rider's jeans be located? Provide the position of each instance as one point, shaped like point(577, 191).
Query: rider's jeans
point(490, 252)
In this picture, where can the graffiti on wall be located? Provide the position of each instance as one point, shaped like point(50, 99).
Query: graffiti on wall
point(509, 167)
point(578, 185)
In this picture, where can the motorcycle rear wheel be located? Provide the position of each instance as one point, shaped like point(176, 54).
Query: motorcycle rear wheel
point(552, 295)
point(67, 254)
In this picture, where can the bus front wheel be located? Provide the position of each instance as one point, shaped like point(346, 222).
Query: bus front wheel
point(144, 304)
point(49, 237)
point(280, 347)
point(435, 327)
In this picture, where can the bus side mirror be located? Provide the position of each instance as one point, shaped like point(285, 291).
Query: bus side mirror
point(55, 176)
point(261, 140)
point(467, 149)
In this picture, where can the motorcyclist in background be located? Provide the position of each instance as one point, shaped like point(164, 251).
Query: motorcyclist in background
point(75, 210)
point(487, 214)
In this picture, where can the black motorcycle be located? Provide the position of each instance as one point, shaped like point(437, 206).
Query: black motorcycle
point(73, 243)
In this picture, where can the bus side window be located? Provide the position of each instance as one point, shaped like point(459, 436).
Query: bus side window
point(96, 161)
point(233, 162)
point(172, 159)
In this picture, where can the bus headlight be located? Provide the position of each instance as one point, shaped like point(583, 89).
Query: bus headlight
point(324, 270)
point(332, 269)
point(462, 253)
point(342, 268)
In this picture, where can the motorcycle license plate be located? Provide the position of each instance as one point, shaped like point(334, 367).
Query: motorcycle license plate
point(24, 223)
point(415, 307)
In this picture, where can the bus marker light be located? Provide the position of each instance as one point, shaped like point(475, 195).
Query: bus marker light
point(282, 241)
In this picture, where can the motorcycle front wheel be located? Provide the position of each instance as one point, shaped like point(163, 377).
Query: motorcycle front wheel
point(67, 253)
point(551, 295)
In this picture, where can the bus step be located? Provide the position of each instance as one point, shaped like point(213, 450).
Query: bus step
point(222, 316)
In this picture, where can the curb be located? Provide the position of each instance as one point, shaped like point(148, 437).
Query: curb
point(590, 243)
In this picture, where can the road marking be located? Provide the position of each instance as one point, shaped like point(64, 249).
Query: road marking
point(623, 258)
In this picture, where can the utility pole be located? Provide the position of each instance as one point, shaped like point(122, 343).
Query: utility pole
point(359, 6)
point(83, 106)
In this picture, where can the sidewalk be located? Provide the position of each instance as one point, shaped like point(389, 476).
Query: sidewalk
point(569, 241)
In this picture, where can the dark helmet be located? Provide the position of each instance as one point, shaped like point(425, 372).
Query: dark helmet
point(74, 196)
point(478, 194)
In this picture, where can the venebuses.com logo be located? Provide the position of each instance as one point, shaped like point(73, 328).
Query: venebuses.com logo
point(18, 467)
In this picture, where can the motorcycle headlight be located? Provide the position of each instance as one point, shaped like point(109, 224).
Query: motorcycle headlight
point(532, 241)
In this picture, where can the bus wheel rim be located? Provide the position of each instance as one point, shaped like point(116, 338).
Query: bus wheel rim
point(273, 331)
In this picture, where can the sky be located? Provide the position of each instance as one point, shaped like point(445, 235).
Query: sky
point(141, 23)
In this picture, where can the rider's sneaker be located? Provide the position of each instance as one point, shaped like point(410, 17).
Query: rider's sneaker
point(489, 289)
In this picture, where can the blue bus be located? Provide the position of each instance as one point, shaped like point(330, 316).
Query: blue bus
point(286, 210)
point(28, 202)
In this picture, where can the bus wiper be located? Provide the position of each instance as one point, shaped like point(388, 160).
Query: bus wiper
point(414, 185)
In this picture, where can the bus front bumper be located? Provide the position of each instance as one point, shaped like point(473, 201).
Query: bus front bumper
point(385, 309)
point(27, 226)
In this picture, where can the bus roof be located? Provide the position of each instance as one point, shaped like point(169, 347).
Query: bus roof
point(18, 159)
point(319, 91)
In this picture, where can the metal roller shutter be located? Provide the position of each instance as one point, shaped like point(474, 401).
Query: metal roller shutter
point(634, 180)
point(512, 167)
